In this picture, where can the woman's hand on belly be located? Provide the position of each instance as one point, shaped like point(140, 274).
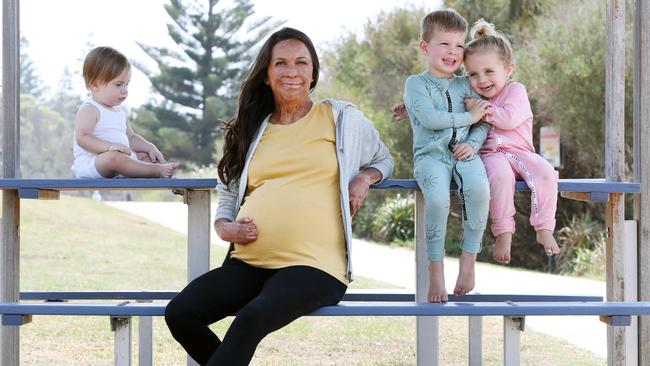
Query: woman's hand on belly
point(242, 231)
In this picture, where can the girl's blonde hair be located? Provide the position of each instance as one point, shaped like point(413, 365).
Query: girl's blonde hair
point(485, 37)
point(103, 64)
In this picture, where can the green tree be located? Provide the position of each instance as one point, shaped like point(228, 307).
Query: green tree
point(199, 79)
point(30, 82)
point(514, 17)
point(564, 71)
point(65, 101)
point(45, 141)
point(370, 71)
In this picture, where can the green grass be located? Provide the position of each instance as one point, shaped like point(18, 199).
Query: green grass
point(80, 244)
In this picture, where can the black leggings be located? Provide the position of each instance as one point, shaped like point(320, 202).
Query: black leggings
point(265, 300)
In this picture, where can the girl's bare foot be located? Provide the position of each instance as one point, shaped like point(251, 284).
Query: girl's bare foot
point(466, 278)
point(545, 237)
point(501, 251)
point(166, 170)
point(437, 290)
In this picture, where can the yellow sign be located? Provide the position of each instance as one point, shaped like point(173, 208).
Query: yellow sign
point(549, 144)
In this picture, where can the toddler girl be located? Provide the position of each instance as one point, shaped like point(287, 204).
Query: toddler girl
point(508, 153)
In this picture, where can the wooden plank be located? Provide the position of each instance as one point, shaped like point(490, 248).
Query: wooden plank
point(630, 293)
point(9, 254)
point(615, 92)
point(615, 273)
point(576, 196)
point(40, 194)
point(615, 166)
point(641, 112)
point(427, 341)
point(10, 269)
point(616, 320)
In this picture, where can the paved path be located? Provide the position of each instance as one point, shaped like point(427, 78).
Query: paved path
point(397, 266)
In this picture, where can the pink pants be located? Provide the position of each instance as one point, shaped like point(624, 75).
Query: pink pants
point(503, 168)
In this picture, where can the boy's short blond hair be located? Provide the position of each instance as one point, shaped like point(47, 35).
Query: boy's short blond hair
point(103, 64)
point(446, 20)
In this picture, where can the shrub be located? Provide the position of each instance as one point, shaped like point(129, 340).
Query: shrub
point(394, 222)
point(583, 247)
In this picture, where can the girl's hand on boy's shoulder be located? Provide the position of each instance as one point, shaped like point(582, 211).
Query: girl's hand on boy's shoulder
point(471, 102)
point(463, 151)
point(478, 108)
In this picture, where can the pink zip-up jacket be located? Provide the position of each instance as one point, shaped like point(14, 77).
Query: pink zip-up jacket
point(511, 120)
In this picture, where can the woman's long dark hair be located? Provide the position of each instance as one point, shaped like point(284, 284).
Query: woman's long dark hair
point(255, 103)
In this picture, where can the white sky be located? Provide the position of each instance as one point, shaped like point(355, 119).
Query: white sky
point(60, 32)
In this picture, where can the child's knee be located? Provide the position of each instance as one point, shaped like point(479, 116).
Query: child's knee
point(113, 157)
point(437, 201)
point(479, 194)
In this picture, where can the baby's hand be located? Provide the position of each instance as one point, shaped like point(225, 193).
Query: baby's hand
point(156, 156)
point(463, 151)
point(479, 109)
point(399, 113)
point(121, 148)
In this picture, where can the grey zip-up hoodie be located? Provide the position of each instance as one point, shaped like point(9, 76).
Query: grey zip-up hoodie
point(358, 147)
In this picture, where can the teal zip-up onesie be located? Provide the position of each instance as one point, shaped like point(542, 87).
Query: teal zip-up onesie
point(439, 120)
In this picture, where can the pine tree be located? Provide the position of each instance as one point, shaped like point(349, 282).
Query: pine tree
point(200, 83)
point(30, 82)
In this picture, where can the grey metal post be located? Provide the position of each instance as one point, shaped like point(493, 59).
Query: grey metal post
point(198, 237)
point(145, 338)
point(121, 327)
point(427, 346)
point(475, 340)
point(512, 328)
point(198, 233)
point(10, 252)
point(641, 160)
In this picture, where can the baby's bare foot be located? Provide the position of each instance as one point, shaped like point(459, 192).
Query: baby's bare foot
point(466, 278)
point(437, 290)
point(501, 251)
point(546, 239)
point(167, 170)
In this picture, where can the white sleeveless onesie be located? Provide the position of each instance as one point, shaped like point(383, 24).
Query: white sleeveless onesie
point(110, 127)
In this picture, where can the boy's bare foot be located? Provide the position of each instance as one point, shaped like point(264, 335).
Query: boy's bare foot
point(466, 278)
point(501, 251)
point(166, 170)
point(437, 290)
point(545, 237)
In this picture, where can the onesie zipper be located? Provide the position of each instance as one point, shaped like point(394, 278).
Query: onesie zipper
point(452, 142)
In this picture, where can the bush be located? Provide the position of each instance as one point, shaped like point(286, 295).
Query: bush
point(362, 222)
point(394, 222)
point(583, 247)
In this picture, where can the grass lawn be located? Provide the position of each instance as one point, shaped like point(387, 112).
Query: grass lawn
point(80, 244)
